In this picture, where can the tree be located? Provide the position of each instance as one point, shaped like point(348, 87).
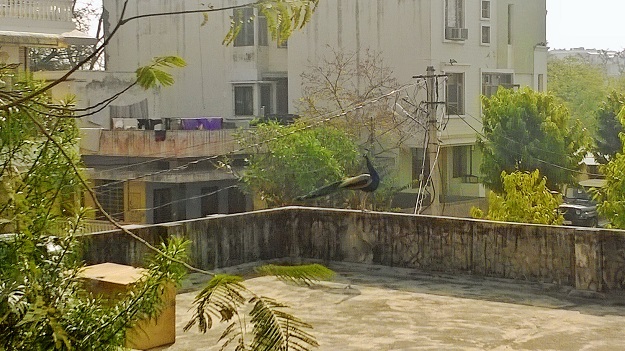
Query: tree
point(525, 199)
point(343, 80)
point(608, 127)
point(579, 85)
point(42, 303)
point(611, 198)
point(296, 159)
point(64, 58)
point(526, 131)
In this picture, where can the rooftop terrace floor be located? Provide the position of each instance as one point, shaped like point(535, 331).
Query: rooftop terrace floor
point(402, 309)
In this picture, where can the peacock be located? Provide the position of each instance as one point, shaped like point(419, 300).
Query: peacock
point(367, 182)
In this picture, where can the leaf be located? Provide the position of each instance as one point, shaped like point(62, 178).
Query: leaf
point(220, 298)
point(274, 329)
point(302, 275)
point(152, 75)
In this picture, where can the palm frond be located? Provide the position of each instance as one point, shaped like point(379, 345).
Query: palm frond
point(221, 298)
point(274, 329)
point(301, 275)
point(234, 333)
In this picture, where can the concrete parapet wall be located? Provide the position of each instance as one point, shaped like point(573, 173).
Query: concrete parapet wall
point(587, 259)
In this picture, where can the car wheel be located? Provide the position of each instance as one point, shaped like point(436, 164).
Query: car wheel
point(594, 223)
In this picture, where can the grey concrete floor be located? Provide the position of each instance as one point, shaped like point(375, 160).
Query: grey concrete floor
point(401, 309)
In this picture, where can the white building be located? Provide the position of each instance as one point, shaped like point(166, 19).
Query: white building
point(481, 44)
point(36, 23)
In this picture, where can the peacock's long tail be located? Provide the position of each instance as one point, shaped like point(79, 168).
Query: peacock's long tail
point(323, 191)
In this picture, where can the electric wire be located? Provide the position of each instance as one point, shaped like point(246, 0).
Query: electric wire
point(319, 121)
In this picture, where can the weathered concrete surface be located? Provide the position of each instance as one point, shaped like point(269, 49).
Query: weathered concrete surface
point(585, 258)
point(400, 309)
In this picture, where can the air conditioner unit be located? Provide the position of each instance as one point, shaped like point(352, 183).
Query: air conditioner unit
point(453, 33)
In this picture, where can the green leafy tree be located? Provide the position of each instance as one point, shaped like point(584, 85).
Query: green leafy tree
point(580, 85)
point(526, 130)
point(525, 199)
point(296, 159)
point(607, 141)
point(611, 198)
point(43, 304)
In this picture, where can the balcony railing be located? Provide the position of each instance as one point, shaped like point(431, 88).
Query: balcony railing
point(48, 10)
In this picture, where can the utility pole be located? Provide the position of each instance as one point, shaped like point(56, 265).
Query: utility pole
point(433, 145)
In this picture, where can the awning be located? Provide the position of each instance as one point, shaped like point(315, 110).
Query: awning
point(65, 39)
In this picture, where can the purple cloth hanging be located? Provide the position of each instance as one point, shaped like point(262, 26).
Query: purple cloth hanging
point(212, 123)
point(190, 124)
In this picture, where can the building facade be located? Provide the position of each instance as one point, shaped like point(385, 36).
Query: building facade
point(478, 45)
point(30, 24)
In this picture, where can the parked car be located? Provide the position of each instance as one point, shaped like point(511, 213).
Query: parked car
point(578, 208)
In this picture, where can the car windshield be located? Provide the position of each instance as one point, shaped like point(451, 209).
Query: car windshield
point(577, 194)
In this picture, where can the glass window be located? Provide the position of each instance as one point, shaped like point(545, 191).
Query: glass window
point(454, 13)
point(455, 94)
point(244, 100)
point(486, 9)
point(492, 81)
point(245, 19)
point(485, 34)
point(454, 21)
point(462, 161)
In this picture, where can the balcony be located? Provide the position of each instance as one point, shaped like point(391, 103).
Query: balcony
point(157, 143)
point(46, 10)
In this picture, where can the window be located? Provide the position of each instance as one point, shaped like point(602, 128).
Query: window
point(492, 81)
point(455, 94)
point(454, 13)
point(454, 21)
point(541, 82)
point(485, 9)
point(420, 163)
point(485, 34)
point(463, 161)
point(244, 100)
point(245, 19)
point(111, 197)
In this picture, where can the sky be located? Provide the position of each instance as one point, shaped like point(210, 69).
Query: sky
point(592, 24)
